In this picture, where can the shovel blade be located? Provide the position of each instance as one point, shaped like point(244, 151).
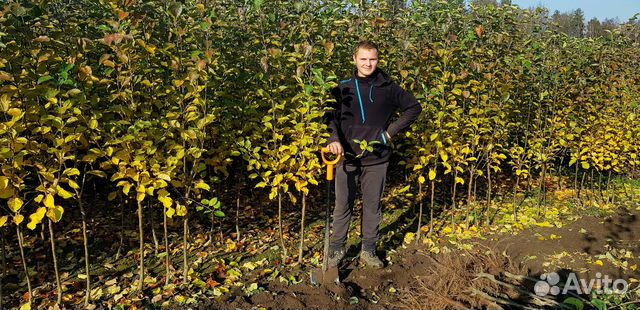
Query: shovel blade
point(325, 278)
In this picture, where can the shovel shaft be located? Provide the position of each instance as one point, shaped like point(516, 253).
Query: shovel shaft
point(325, 261)
point(330, 167)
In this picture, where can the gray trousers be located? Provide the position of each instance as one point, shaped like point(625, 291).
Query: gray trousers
point(372, 181)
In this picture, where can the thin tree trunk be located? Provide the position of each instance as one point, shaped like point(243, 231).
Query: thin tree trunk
point(304, 210)
point(582, 185)
point(515, 199)
point(141, 239)
point(433, 191)
point(419, 232)
point(55, 263)
point(544, 187)
point(185, 248)
point(609, 195)
point(24, 262)
point(488, 204)
point(575, 182)
point(85, 242)
point(4, 268)
point(470, 186)
point(284, 249)
point(166, 247)
point(121, 231)
point(453, 199)
point(156, 244)
point(237, 218)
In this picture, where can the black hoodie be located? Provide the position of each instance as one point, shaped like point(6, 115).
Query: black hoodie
point(363, 111)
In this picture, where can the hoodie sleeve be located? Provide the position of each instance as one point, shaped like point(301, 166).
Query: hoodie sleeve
point(410, 110)
point(332, 117)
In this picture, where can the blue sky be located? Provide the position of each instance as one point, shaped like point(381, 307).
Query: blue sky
point(623, 9)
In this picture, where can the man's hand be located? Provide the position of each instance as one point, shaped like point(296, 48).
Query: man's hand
point(336, 148)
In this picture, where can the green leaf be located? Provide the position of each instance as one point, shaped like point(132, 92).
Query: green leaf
point(577, 303)
point(599, 304)
point(219, 213)
point(43, 79)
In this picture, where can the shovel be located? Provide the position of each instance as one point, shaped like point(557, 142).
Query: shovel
point(327, 275)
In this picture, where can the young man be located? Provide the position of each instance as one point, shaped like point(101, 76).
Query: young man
point(364, 106)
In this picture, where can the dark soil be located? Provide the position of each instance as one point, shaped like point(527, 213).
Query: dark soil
point(415, 278)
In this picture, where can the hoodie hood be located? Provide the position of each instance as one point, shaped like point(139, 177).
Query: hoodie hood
point(377, 78)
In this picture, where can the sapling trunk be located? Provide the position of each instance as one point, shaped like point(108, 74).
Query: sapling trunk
point(453, 199)
point(166, 247)
point(610, 197)
point(24, 262)
point(185, 248)
point(121, 230)
point(55, 262)
point(419, 232)
point(141, 239)
point(237, 218)
point(4, 268)
point(284, 249)
point(304, 209)
point(582, 185)
point(433, 191)
point(488, 203)
point(515, 199)
point(470, 187)
point(575, 181)
point(156, 244)
point(85, 244)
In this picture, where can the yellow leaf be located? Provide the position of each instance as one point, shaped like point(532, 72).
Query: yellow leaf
point(55, 214)
point(49, 201)
point(3, 220)
point(432, 174)
point(26, 306)
point(421, 180)
point(71, 171)
point(585, 165)
point(15, 204)
point(73, 184)
point(93, 123)
point(273, 193)
point(14, 112)
point(170, 212)
point(460, 180)
point(599, 263)
point(18, 218)
point(202, 185)
point(433, 136)
point(444, 156)
point(166, 201)
point(164, 176)
point(6, 192)
point(181, 210)
point(63, 193)
point(36, 218)
point(38, 198)
point(140, 196)
point(408, 237)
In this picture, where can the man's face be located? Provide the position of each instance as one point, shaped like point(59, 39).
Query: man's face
point(366, 61)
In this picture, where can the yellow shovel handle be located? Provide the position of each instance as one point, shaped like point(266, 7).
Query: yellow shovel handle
point(329, 164)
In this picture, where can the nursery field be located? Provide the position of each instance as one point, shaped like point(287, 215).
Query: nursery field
point(160, 154)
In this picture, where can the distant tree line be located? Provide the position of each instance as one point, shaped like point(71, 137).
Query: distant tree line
point(573, 23)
